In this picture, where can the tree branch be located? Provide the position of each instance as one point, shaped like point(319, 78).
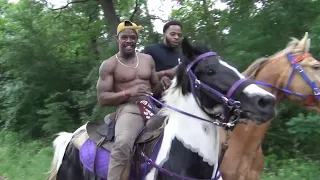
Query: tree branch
point(69, 3)
point(135, 10)
point(153, 17)
point(204, 2)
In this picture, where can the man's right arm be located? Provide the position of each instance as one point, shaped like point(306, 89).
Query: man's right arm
point(105, 86)
point(169, 72)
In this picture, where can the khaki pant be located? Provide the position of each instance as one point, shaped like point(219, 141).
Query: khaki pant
point(129, 123)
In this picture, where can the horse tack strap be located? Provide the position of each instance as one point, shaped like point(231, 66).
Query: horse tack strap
point(300, 58)
point(310, 101)
point(200, 58)
point(159, 168)
point(298, 67)
point(235, 87)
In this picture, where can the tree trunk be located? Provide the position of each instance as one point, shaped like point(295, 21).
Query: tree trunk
point(94, 48)
point(110, 16)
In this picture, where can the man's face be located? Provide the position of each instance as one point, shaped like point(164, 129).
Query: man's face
point(127, 40)
point(173, 36)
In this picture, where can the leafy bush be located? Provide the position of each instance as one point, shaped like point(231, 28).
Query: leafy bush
point(291, 169)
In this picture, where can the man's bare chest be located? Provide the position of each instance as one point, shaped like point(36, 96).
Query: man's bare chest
point(126, 74)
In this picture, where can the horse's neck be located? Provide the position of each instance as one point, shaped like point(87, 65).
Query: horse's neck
point(274, 74)
point(250, 136)
point(198, 136)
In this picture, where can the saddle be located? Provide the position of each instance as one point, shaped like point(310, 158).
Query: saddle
point(103, 135)
point(103, 132)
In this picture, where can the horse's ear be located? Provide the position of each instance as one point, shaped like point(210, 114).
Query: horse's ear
point(303, 44)
point(187, 49)
point(307, 46)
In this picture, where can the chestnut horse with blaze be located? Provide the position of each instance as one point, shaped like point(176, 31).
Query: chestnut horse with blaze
point(292, 74)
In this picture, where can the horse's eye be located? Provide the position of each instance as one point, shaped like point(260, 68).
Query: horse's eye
point(316, 67)
point(209, 71)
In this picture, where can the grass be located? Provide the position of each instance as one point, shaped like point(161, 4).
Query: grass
point(30, 160)
point(23, 160)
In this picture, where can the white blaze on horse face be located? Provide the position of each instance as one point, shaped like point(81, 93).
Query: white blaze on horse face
point(232, 68)
point(250, 90)
point(253, 90)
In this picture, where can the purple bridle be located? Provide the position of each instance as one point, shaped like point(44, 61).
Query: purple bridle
point(229, 104)
point(297, 67)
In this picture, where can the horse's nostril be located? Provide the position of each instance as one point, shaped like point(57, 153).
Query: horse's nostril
point(265, 101)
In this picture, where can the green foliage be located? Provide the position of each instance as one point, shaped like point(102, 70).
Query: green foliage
point(306, 132)
point(23, 159)
point(49, 67)
point(46, 60)
point(293, 169)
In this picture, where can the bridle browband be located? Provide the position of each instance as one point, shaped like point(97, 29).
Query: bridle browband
point(310, 99)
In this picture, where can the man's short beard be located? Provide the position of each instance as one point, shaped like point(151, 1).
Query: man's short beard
point(170, 44)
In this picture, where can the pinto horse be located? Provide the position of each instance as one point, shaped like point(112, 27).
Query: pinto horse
point(291, 73)
point(206, 94)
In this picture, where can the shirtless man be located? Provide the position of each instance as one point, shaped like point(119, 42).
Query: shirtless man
point(124, 80)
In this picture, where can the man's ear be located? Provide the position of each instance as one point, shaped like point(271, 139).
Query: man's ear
point(164, 37)
point(117, 38)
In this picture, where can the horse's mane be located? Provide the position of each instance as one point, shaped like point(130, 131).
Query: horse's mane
point(259, 63)
point(182, 78)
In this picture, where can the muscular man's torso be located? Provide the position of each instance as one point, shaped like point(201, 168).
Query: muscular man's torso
point(125, 78)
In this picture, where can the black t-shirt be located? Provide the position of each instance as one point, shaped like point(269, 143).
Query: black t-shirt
point(165, 57)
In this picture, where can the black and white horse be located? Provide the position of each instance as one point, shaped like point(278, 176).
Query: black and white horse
point(204, 92)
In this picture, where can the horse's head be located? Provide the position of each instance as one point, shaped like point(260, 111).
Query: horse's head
point(293, 72)
point(213, 81)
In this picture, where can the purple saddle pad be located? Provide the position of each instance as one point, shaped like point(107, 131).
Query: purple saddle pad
point(87, 156)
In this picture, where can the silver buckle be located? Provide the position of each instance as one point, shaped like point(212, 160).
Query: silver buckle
point(197, 82)
point(299, 68)
point(316, 91)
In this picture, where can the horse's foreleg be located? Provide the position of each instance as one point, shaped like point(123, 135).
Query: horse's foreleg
point(257, 165)
point(251, 168)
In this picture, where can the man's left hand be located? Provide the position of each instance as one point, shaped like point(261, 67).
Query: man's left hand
point(165, 82)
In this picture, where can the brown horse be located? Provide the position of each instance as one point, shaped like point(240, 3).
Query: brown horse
point(244, 158)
